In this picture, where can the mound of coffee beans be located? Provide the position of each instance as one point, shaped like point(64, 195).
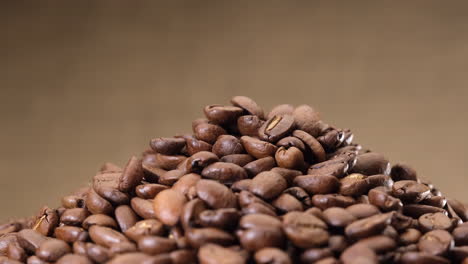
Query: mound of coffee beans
point(248, 187)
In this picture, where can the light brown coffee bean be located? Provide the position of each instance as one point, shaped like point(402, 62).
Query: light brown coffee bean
point(96, 204)
point(52, 249)
point(143, 208)
point(359, 254)
point(149, 227)
point(105, 236)
point(215, 194)
point(131, 175)
point(168, 206)
point(154, 245)
point(71, 234)
point(74, 216)
point(194, 145)
point(99, 219)
point(74, 259)
point(149, 190)
point(258, 148)
point(125, 217)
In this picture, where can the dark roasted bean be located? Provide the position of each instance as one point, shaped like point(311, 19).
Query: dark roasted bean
point(460, 235)
point(96, 204)
point(416, 210)
point(432, 221)
point(149, 190)
point(402, 172)
point(194, 145)
point(268, 185)
point(436, 242)
point(224, 218)
point(410, 191)
point(219, 114)
point(276, 128)
point(288, 174)
point(169, 162)
point(74, 216)
point(287, 203)
point(379, 244)
point(337, 243)
point(312, 143)
point(283, 109)
point(383, 200)
point(318, 184)
point(460, 209)
point(288, 142)
point(338, 217)
point(227, 145)
point(132, 175)
point(170, 177)
point(371, 163)
point(305, 230)
point(258, 148)
point(313, 255)
point(336, 167)
point(368, 226)
point(300, 194)
point(249, 125)
point(97, 253)
point(410, 236)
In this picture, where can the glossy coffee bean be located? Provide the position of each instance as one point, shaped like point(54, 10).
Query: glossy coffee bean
point(223, 172)
point(312, 143)
point(410, 191)
point(324, 201)
point(255, 167)
point(402, 172)
point(75, 216)
point(52, 249)
point(268, 185)
point(198, 237)
point(105, 236)
point(287, 203)
point(362, 210)
point(288, 142)
point(227, 145)
point(224, 218)
point(131, 175)
point(71, 234)
point(288, 174)
point(429, 222)
point(338, 217)
point(383, 200)
point(248, 105)
point(47, 220)
point(149, 227)
point(219, 114)
point(125, 217)
point(215, 254)
point(436, 242)
point(194, 145)
point(96, 204)
point(143, 208)
point(272, 256)
point(336, 167)
point(291, 158)
point(305, 230)
point(154, 245)
point(416, 210)
point(306, 119)
point(215, 194)
point(208, 132)
point(97, 253)
point(318, 184)
point(276, 128)
point(249, 125)
point(168, 206)
point(99, 219)
point(258, 148)
point(167, 146)
point(368, 226)
point(149, 190)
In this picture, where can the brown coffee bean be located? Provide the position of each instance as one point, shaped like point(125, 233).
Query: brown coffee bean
point(432, 221)
point(6, 240)
point(332, 139)
point(198, 237)
point(337, 243)
point(215, 194)
point(97, 253)
point(74, 216)
point(272, 256)
point(105, 236)
point(214, 254)
point(149, 227)
point(79, 247)
point(154, 245)
point(276, 128)
point(99, 219)
point(198, 161)
point(268, 185)
point(410, 191)
point(258, 208)
point(225, 218)
point(16, 252)
point(416, 210)
point(313, 255)
point(219, 114)
point(168, 206)
point(74, 259)
point(460, 235)
point(184, 184)
point(208, 132)
point(258, 231)
point(258, 148)
point(287, 203)
point(283, 109)
point(383, 200)
point(191, 212)
point(371, 164)
point(71, 234)
point(305, 230)
point(312, 143)
point(288, 174)
point(30, 240)
point(170, 177)
point(242, 185)
point(402, 172)
point(149, 190)
point(368, 226)
point(52, 249)
point(194, 145)
point(257, 166)
point(143, 208)
point(151, 171)
point(300, 194)
point(291, 158)
point(318, 184)
point(460, 209)
point(226, 173)
point(227, 145)
point(96, 204)
point(437, 201)
point(436, 242)
point(338, 217)
point(359, 254)
point(379, 243)
point(248, 105)
point(238, 159)
point(169, 162)
point(131, 175)
point(306, 119)
point(289, 142)
point(249, 125)
point(409, 236)
point(183, 256)
point(125, 217)
point(362, 210)
point(324, 201)
point(35, 260)
point(167, 146)
point(335, 167)
point(46, 221)
point(422, 258)
point(72, 201)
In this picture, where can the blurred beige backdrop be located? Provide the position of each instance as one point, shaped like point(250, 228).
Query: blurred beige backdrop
point(86, 82)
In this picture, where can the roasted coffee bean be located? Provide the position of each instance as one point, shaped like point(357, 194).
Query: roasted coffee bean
point(300, 194)
point(358, 184)
point(225, 218)
point(371, 163)
point(74, 259)
point(169, 162)
point(99, 219)
point(437, 201)
point(151, 171)
point(249, 125)
point(460, 209)
point(74, 216)
point(97, 253)
point(359, 254)
point(337, 243)
point(338, 217)
point(208, 132)
point(52, 249)
point(258, 208)
point(255, 167)
point(416, 210)
point(96, 204)
point(238, 159)
point(291, 158)
point(149, 190)
point(318, 184)
point(71, 234)
point(368, 226)
point(460, 234)
point(289, 142)
point(170, 177)
point(305, 230)
point(47, 220)
point(306, 119)
point(436, 242)
point(168, 206)
point(198, 237)
point(186, 182)
point(72, 201)
point(312, 143)
point(125, 217)
point(379, 243)
point(30, 240)
point(362, 210)
point(268, 185)
point(183, 256)
point(149, 227)
point(276, 128)
point(242, 185)
point(383, 200)
point(35, 260)
point(429, 222)
point(258, 231)
point(402, 172)
point(283, 109)
point(287, 203)
point(227, 145)
point(223, 172)
point(272, 256)
point(248, 105)
point(288, 174)
point(154, 245)
point(121, 248)
point(422, 258)
point(5, 240)
point(219, 114)
point(105, 236)
point(191, 212)
point(258, 148)
point(332, 139)
point(167, 146)
point(131, 175)
point(112, 195)
point(143, 208)
point(214, 254)
point(409, 236)
point(313, 255)
point(336, 167)
point(198, 161)
point(215, 194)
point(245, 198)
point(79, 247)
point(324, 201)
point(403, 222)
point(410, 191)
point(194, 145)
point(16, 252)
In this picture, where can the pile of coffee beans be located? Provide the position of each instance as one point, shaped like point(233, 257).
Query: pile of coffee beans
point(248, 187)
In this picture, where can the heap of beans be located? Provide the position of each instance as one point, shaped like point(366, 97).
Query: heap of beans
point(248, 187)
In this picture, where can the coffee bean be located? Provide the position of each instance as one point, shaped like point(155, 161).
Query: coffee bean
point(432, 221)
point(276, 128)
point(169, 162)
point(368, 226)
point(191, 212)
point(371, 163)
point(149, 227)
point(416, 210)
point(151, 171)
point(305, 230)
point(258, 148)
point(436, 242)
point(291, 158)
point(194, 145)
point(223, 172)
point(257, 166)
point(437, 201)
point(74, 216)
point(324, 201)
point(422, 258)
point(300, 194)
point(272, 256)
point(74, 259)
point(460, 235)
point(362, 210)
point(16, 252)
point(222, 114)
point(96, 204)
point(312, 143)
point(46, 221)
point(30, 240)
point(6, 240)
point(287, 203)
point(283, 109)
point(338, 217)
point(52, 249)
point(168, 206)
point(227, 145)
point(410, 191)
point(410, 236)
point(125, 217)
point(154, 245)
point(318, 184)
point(268, 185)
point(131, 175)
point(242, 185)
point(97, 253)
point(224, 218)
point(306, 119)
point(383, 200)
point(99, 219)
point(183, 256)
point(72, 201)
point(143, 208)
point(248, 105)
point(313, 255)
point(460, 209)
point(208, 132)
point(215, 194)
point(198, 237)
point(337, 243)
point(149, 190)
point(359, 254)
point(167, 146)
point(336, 167)
point(170, 177)
point(258, 208)
point(288, 142)
point(379, 243)
point(35, 260)
point(71, 234)
point(249, 125)
point(238, 159)
point(288, 174)
point(105, 236)
point(402, 172)
point(214, 254)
